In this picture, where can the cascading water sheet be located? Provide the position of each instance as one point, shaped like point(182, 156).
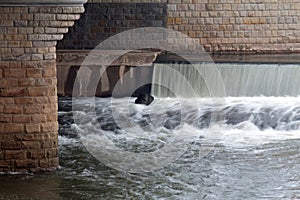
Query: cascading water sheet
point(239, 79)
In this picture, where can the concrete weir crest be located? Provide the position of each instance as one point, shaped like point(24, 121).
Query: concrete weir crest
point(29, 31)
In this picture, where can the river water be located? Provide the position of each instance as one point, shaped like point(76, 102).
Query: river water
point(237, 148)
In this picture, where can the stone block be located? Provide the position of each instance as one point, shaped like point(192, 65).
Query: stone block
point(39, 118)
point(21, 119)
point(27, 163)
point(8, 82)
point(14, 155)
point(31, 144)
point(13, 92)
point(33, 109)
point(5, 118)
point(34, 73)
point(13, 109)
point(25, 82)
point(14, 73)
point(49, 127)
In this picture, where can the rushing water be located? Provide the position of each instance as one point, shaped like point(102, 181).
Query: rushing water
point(254, 151)
point(237, 79)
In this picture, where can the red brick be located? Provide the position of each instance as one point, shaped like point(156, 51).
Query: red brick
point(31, 64)
point(46, 82)
point(31, 145)
point(34, 73)
point(7, 100)
point(4, 64)
point(43, 50)
point(35, 155)
point(33, 109)
point(53, 99)
point(15, 64)
point(13, 92)
point(6, 165)
point(49, 127)
point(41, 100)
point(54, 161)
point(2, 129)
point(50, 108)
point(21, 118)
point(24, 100)
point(13, 109)
point(11, 145)
point(49, 73)
point(14, 155)
point(52, 118)
point(26, 44)
point(14, 73)
point(5, 118)
point(42, 91)
point(31, 100)
point(52, 153)
point(20, 10)
point(32, 128)
point(48, 64)
point(31, 137)
point(13, 128)
point(47, 144)
point(27, 16)
point(26, 163)
point(24, 82)
point(39, 118)
point(8, 82)
point(47, 163)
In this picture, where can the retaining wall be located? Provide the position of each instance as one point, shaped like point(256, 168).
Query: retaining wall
point(220, 25)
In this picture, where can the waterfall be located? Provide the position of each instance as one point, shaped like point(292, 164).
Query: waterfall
point(237, 79)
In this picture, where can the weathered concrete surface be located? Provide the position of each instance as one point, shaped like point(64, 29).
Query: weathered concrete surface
point(138, 64)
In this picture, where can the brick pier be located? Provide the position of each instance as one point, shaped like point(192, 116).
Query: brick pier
point(29, 31)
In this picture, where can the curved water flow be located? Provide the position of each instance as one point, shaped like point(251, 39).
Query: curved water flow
point(254, 150)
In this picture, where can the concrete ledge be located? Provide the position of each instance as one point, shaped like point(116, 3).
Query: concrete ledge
point(134, 58)
point(42, 2)
point(276, 58)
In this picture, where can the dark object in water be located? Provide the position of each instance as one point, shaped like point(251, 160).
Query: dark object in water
point(145, 99)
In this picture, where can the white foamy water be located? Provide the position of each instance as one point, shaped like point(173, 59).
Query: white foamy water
point(235, 122)
point(231, 148)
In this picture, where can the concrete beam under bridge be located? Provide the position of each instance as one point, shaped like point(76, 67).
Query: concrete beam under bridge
point(29, 31)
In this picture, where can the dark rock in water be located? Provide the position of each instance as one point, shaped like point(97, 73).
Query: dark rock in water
point(145, 99)
point(65, 119)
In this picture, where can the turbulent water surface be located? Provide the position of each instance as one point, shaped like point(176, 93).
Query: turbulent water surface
point(238, 148)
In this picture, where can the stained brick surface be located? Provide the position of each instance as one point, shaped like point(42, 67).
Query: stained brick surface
point(220, 25)
point(28, 100)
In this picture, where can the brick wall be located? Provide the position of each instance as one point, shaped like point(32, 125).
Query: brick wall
point(102, 20)
point(220, 25)
point(28, 99)
point(239, 25)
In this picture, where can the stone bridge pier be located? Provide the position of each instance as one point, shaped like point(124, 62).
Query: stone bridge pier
point(29, 31)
